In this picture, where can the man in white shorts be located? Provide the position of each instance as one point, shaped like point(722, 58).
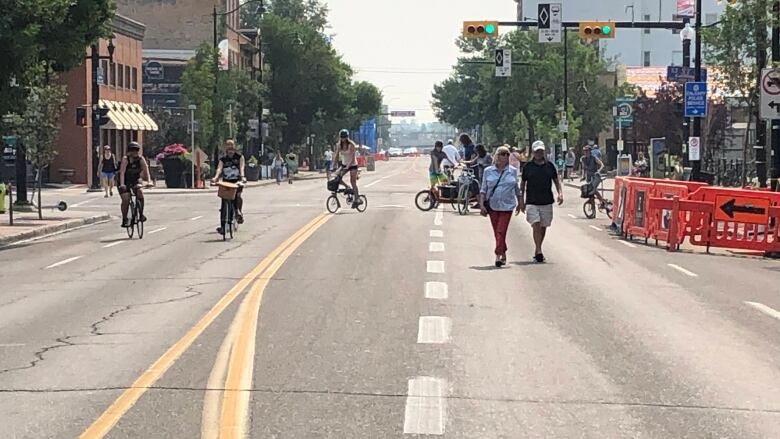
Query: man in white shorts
point(536, 195)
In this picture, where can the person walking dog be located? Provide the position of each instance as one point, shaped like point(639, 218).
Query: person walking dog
point(499, 196)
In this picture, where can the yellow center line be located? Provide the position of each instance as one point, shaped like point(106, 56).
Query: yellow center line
point(103, 424)
point(235, 401)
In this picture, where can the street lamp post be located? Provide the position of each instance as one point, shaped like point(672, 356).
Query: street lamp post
point(696, 164)
point(192, 108)
point(95, 58)
point(686, 35)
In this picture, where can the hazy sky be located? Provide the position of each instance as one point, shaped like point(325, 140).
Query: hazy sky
point(407, 46)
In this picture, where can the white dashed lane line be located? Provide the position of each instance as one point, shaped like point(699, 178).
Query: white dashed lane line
point(683, 270)
point(436, 290)
point(572, 216)
point(598, 229)
point(626, 243)
point(435, 266)
point(425, 406)
point(438, 218)
point(434, 330)
point(435, 247)
point(765, 309)
point(157, 230)
point(436, 233)
point(113, 244)
point(66, 261)
point(196, 218)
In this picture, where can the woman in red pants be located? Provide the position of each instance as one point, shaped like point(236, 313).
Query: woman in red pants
point(499, 196)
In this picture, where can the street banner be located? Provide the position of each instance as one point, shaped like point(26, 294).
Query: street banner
point(686, 8)
point(224, 52)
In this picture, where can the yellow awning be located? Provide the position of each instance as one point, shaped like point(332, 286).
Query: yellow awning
point(115, 121)
point(130, 121)
point(151, 125)
point(132, 113)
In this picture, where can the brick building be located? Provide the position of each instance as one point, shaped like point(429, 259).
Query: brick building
point(120, 93)
point(174, 30)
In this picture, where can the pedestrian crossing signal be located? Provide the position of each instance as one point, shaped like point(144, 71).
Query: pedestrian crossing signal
point(480, 29)
point(594, 30)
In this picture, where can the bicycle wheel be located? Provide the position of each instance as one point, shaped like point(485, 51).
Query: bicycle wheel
point(131, 229)
point(608, 208)
point(589, 209)
point(424, 200)
point(230, 219)
point(332, 204)
point(364, 205)
point(463, 200)
point(139, 225)
point(223, 220)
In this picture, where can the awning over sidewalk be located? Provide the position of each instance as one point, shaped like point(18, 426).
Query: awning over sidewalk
point(127, 116)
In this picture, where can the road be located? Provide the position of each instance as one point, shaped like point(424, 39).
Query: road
point(390, 323)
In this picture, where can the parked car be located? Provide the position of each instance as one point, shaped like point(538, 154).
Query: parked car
point(395, 152)
point(411, 151)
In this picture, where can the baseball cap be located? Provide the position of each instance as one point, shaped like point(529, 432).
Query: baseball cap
point(538, 146)
point(449, 142)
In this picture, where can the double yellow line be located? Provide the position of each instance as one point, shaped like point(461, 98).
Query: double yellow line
point(240, 342)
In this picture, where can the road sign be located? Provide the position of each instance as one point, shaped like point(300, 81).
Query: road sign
point(503, 63)
point(620, 146)
point(770, 94)
point(694, 148)
point(684, 74)
point(550, 22)
point(101, 76)
point(695, 99)
point(402, 114)
point(623, 112)
point(742, 209)
point(563, 126)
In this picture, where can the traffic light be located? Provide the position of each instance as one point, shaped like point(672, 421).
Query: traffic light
point(102, 116)
point(597, 29)
point(480, 29)
point(81, 117)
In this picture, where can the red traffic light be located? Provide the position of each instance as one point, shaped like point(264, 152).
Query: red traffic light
point(472, 29)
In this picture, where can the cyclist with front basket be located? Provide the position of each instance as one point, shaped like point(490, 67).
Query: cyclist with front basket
point(132, 171)
point(591, 168)
point(230, 169)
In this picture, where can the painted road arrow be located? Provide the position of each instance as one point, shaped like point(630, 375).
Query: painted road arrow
point(731, 207)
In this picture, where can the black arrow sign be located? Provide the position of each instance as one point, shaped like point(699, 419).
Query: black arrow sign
point(775, 106)
point(731, 207)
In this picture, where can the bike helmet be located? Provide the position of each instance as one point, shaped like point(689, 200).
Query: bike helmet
point(133, 146)
point(344, 134)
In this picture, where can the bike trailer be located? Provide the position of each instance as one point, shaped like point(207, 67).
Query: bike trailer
point(449, 191)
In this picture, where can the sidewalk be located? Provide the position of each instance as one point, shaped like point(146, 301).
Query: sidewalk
point(302, 175)
point(27, 225)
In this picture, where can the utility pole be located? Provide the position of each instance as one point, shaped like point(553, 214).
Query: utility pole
point(775, 183)
point(686, 42)
point(95, 61)
point(761, 41)
point(565, 143)
point(696, 164)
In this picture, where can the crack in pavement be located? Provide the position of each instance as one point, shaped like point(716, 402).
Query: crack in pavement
point(540, 401)
point(62, 342)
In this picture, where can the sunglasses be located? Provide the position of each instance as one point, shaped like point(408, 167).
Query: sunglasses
point(503, 153)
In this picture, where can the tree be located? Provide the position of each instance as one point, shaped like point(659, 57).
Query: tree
point(197, 87)
point(530, 102)
point(368, 100)
point(38, 127)
point(310, 13)
point(660, 115)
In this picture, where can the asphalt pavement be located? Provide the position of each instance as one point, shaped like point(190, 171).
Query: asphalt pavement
point(388, 323)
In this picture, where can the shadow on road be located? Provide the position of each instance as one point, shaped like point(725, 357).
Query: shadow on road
point(485, 268)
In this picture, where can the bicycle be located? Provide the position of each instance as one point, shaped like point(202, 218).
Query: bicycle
point(228, 219)
point(333, 204)
point(468, 184)
point(135, 223)
point(589, 208)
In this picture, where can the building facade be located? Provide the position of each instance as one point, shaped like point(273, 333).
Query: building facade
point(175, 30)
point(634, 47)
point(120, 93)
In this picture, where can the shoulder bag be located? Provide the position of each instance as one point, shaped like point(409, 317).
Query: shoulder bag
point(493, 191)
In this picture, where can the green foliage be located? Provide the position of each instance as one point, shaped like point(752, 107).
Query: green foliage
point(531, 100)
point(39, 124)
point(198, 88)
point(368, 100)
point(310, 13)
point(54, 32)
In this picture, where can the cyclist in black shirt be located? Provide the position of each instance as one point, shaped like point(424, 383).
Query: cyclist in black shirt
point(132, 172)
point(231, 169)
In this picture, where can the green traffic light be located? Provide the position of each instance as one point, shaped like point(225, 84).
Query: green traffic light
point(606, 30)
point(489, 28)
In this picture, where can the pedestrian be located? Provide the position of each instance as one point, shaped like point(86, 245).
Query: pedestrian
point(469, 148)
point(568, 163)
point(328, 162)
point(498, 197)
point(292, 167)
point(278, 167)
point(594, 149)
point(108, 168)
point(536, 183)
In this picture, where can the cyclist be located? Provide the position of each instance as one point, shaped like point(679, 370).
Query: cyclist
point(230, 169)
point(132, 171)
point(452, 160)
point(346, 157)
point(481, 161)
point(591, 168)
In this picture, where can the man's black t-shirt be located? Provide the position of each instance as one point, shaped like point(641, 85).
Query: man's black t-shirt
point(539, 178)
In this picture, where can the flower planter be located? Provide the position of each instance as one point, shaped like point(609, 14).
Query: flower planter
point(174, 170)
point(252, 173)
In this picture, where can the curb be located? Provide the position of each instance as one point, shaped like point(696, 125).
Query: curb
point(54, 228)
point(251, 184)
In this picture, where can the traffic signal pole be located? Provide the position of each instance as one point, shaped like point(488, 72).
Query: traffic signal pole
point(696, 164)
point(95, 61)
point(686, 121)
point(775, 182)
point(565, 145)
point(760, 148)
